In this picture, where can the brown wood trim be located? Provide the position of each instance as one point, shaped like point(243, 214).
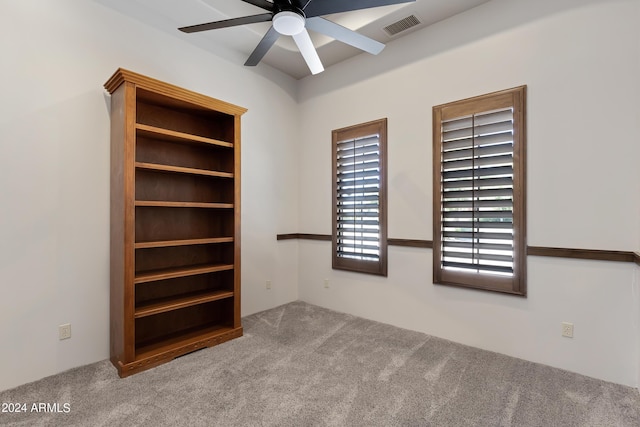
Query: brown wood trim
point(290, 236)
point(411, 243)
point(305, 236)
point(594, 254)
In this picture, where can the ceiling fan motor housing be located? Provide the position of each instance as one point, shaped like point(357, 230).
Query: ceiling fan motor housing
point(289, 22)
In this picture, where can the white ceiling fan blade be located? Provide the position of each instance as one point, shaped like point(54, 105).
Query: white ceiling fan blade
point(344, 35)
point(308, 51)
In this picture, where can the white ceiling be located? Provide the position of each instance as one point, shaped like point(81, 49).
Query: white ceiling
point(168, 15)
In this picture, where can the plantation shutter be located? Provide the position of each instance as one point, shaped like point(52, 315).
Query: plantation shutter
point(358, 198)
point(477, 192)
point(359, 234)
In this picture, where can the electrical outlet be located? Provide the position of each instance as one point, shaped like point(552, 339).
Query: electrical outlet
point(567, 329)
point(64, 331)
point(268, 284)
point(326, 283)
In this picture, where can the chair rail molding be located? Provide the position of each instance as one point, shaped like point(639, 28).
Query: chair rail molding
point(544, 251)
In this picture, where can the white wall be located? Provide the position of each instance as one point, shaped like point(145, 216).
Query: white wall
point(54, 173)
point(580, 60)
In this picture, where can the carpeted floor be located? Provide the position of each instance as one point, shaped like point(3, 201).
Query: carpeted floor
point(302, 365)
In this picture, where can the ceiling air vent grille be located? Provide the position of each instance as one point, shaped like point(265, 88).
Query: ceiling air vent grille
point(402, 25)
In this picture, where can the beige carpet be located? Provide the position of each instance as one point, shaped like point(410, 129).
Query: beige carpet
point(302, 365)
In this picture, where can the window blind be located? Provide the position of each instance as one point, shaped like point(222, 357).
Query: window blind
point(358, 182)
point(477, 192)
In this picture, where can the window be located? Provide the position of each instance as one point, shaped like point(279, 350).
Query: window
point(359, 239)
point(479, 192)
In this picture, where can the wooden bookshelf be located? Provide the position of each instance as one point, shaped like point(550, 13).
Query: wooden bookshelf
point(175, 221)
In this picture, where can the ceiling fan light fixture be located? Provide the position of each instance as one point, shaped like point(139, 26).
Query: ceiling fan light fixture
point(288, 23)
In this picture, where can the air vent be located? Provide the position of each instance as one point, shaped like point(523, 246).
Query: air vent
point(402, 25)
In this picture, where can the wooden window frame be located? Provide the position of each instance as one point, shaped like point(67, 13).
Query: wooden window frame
point(515, 284)
point(376, 127)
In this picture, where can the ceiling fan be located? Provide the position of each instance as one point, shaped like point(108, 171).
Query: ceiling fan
point(294, 17)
